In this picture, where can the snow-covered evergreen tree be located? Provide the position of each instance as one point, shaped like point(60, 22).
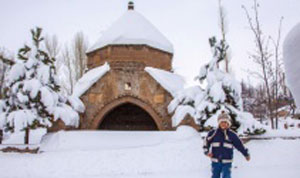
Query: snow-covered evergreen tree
point(32, 98)
point(221, 93)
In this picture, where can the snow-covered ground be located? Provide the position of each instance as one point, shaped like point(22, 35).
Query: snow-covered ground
point(145, 155)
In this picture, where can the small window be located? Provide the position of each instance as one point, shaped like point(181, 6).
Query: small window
point(128, 86)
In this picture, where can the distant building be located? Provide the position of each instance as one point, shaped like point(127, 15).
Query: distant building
point(135, 83)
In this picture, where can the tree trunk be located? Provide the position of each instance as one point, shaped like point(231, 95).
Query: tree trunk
point(26, 138)
point(272, 123)
point(1, 136)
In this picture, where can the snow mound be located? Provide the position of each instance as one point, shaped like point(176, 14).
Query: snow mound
point(185, 131)
point(88, 79)
point(291, 57)
point(107, 140)
point(133, 29)
point(173, 83)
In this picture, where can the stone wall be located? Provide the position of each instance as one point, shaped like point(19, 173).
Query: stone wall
point(126, 83)
point(138, 53)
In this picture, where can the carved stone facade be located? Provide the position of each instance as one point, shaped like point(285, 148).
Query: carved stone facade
point(133, 54)
point(127, 82)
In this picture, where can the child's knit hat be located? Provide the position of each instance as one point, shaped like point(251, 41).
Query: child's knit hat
point(224, 117)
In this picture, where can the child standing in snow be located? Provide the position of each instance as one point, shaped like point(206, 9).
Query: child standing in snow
point(218, 145)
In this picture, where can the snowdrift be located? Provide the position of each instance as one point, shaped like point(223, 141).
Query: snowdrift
point(176, 154)
point(106, 140)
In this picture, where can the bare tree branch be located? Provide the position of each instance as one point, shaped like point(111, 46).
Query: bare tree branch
point(262, 56)
point(69, 63)
point(80, 46)
point(224, 29)
point(52, 46)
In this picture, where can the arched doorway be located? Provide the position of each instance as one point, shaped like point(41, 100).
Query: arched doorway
point(127, 116)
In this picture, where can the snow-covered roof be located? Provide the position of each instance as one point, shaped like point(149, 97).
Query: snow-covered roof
point(133, 29)
point(173, 83)
point(291, 57)
point(88, 79)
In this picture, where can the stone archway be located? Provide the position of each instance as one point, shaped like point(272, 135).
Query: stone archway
point(118, 106)
point(127, 116)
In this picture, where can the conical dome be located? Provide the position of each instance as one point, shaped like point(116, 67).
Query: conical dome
point(133, 29)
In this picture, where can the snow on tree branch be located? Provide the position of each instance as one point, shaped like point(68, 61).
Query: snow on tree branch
point(32, 97)
point(221, 93)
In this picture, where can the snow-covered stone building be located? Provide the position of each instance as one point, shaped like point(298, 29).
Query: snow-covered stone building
point(129, 84)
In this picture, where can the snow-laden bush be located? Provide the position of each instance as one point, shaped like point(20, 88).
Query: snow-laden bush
point(221, 93)
point(32, 96)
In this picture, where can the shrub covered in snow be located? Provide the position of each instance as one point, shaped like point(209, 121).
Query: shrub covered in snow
point(32, 98)
point(222, 93)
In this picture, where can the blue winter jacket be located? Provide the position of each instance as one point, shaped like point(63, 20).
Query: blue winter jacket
point(221, 143)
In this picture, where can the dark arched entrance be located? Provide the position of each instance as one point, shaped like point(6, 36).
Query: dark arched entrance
point(127, 116)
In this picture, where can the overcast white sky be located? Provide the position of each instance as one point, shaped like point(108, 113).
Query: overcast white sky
point(187, 24)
